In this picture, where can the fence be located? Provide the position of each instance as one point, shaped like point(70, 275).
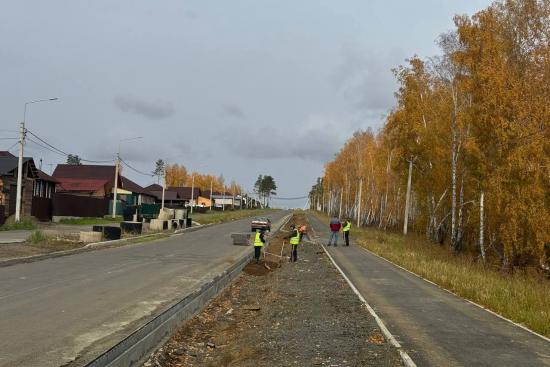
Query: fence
point(79, 206)
point(42, 208)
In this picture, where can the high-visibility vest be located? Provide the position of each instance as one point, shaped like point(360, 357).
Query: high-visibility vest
point(257, 240)
point(295, 239)
point(347, 227)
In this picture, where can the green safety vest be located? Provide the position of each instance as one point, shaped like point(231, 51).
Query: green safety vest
point(347, 227)
point(257, 240)
point(295, 240)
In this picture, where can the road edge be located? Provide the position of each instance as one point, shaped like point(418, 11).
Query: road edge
point(135, 348)
point(407, 360)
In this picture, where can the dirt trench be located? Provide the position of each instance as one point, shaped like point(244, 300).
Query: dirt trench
point(290, 314)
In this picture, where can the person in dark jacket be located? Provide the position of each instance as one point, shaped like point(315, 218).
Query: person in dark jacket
point(335, 226)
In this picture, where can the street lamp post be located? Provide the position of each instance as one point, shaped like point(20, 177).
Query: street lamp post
point(116, 172)
point(23, 133)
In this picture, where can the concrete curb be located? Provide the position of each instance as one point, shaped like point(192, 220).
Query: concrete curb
point(140, 343)
point(407, 360)
point(134, 349)
point(92, 246)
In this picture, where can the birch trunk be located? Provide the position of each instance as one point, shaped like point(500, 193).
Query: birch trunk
point(481, 225)
point(359, 203)
point(408, 199)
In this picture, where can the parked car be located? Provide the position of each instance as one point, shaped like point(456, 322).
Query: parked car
point(261, 223)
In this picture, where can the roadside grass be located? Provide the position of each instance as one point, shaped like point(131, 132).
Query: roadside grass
point(40, 240)
point(26, 223)
point(226, 216)
point(90, 221)
point(37, 237)
point(522, 296)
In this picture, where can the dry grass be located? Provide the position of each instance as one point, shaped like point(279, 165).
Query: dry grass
point(226, 216)
point(523, 296)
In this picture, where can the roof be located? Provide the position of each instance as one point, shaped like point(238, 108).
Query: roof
point(168, 195)
point(5, 153)
point(85, 171)
point(153, 187)
point(130, 185)
point(69, 184)
point(8, 164)
point(45, 177)
point(185, 192)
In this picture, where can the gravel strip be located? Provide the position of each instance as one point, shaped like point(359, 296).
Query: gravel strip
point(302, 314)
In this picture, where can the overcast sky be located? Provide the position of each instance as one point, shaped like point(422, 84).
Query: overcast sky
point(239, 88)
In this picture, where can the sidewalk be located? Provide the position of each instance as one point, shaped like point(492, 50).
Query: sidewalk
point(436, 327)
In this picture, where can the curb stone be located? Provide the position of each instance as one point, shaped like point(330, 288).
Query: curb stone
point(135, 348)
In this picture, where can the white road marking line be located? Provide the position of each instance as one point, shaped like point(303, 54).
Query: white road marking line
point(454, 294)
point(404, 356)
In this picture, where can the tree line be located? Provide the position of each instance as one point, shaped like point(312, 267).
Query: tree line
point(178, 176)
point(464, 156)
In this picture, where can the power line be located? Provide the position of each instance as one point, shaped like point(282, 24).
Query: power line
point(13, 145)
point(135, 169)
point(61, 152)
point(296, 198)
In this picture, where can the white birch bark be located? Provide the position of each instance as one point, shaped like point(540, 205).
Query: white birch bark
point(407, 200)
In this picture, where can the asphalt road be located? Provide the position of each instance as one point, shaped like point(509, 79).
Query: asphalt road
point(435, 327)
point(56, 310)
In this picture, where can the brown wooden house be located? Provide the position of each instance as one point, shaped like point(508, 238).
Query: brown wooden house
point(8, 185)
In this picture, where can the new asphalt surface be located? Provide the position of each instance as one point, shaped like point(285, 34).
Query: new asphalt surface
point(434, 326)
point(74, 307)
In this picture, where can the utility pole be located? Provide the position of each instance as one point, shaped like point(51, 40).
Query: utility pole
point(211, 195)
point(192, 201)
point(223, 202)
point(117, 163)
point(116, 182)
point(23, 132)
point(23, 135)
point(163, 186)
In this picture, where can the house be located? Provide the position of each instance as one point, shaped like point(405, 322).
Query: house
point(221, 199)
point(171, 198)
point(184, 193)
point(8, 185)
point(42, 198)
point(95, 181)
point(138, 195)
point(85, 190)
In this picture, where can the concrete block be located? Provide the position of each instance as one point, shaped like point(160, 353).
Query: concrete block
point(158, 225)
point(241, 239)
point(88, 237)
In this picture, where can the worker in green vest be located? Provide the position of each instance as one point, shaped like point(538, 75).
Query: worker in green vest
point(294, 242)
point(345, 231)
point(259, 242)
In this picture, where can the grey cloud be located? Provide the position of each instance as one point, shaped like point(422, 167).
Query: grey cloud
point(150, 110)
point(233, 111)
point(365, 78)
point(316, 140)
